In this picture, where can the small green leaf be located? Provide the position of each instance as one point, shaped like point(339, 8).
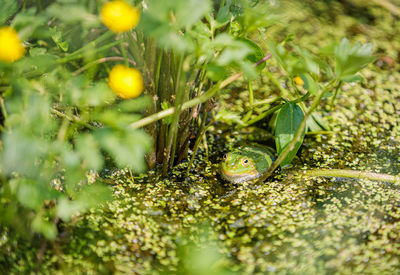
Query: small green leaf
point(287, 124)
point(309, 83)
point(229, 117)
point(256, 55)
point(56, 35)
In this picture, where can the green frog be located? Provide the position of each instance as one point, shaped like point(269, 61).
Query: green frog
point(246, 163)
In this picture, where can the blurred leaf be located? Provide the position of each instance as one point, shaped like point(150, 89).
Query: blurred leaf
point(28, 24)
point(97, 95)
point(56, 35)
point(352, 78)
point(223, 16)
point(287, 124)
point(167, 21)
point(48, 229)
point(215, 72)
point(88, 197)
point(89, 150)
point(29, 194)
point(21, 153)
point(134, 105)
point(257, 15)
point(72, 13)
point(127, 147)
point(189, 12)
point(7, 9)
point(257, 54)
point(115, 119)
point(310, 84)
point(229, 117)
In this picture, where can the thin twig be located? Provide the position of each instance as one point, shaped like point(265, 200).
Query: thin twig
point(102, 60)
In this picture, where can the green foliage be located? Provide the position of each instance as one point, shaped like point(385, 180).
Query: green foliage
point(287, 123)
point(7, 9)
point(60, 125)
point(351, 59)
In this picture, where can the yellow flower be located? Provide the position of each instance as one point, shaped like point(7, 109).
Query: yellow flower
point(119, 16)
point(11, 48)
point(299, 80)
point(125, 82)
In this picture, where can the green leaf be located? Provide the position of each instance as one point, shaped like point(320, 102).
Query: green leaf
point(310, 84)
point(351, 59)
point(126, 146)
point(48, 229)
point(229, 117)
point(90, 196)
point(88, 148)
point(7, 9)
point(56, 35)
point(256, 55)
point(287, 124)
point(223, 16)
point(352, 78)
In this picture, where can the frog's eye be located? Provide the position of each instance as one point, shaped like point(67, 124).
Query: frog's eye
point(245, 162)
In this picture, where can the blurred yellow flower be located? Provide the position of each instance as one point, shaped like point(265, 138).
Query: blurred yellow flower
point(11, 48)
point(125, 82)
point(299, 81)
point(119, 16)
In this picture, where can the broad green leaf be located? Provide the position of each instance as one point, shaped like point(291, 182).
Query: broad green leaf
point(287, 124)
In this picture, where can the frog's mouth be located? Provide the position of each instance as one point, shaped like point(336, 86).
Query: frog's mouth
point(235, 177)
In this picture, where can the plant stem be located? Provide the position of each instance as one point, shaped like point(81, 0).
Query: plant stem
point(171, 139)
point(284, 92)
point(353, 174)
point(123, 51)
point(101, 60)
point(81, 55)
point(251, 102)
point(193, 102)
point(335, 94)
point(297, 137)
point(263, 115)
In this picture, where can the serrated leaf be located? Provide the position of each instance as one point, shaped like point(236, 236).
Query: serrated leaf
point(287, 124)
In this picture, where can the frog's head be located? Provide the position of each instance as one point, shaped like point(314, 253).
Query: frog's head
point(239, 166)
